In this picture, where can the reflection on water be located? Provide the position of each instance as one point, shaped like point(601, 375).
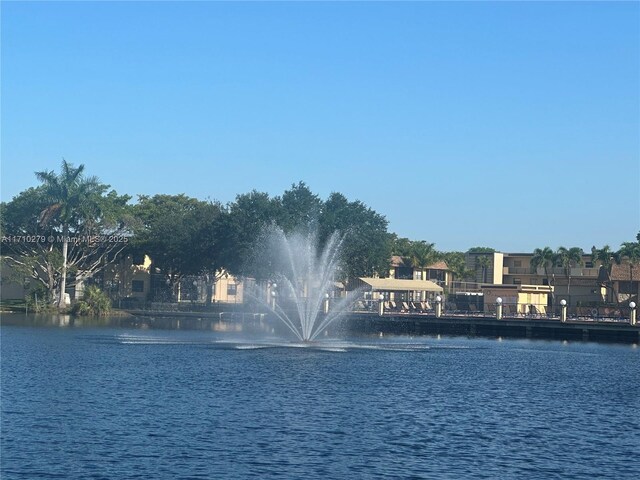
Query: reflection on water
point(239, 323)
point(113, 401)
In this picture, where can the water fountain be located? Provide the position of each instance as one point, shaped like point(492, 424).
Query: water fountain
point(303, 277)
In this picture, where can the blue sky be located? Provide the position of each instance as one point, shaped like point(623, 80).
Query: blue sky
point(512, 125)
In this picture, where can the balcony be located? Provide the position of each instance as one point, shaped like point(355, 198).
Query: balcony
point(557, 271)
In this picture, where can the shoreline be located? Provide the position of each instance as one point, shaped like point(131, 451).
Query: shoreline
point(358, 323)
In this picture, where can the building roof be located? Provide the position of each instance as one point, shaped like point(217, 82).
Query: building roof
point(393, 284)
point(440, 265)
point(623, 272)
point(398, 261)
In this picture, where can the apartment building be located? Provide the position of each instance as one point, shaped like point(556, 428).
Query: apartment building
point(577, 285)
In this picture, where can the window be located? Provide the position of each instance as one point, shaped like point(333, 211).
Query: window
point(517, 263)
point(231, 289)
point(404, 273)
point(627, 287)
point(137, 286)
point(517, 281)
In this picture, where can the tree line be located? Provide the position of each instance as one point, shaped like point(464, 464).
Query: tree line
point(71, 227)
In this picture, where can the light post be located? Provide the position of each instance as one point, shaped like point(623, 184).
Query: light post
point(632, 313)
point(325, 307)
point(499, 308)
point(438, 306)
point(563, 310)
point(381, 303)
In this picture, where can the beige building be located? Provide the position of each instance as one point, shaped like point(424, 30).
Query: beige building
point(438, 272)
point(577, 285)
point(518, 299)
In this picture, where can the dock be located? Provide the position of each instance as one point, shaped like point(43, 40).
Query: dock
point(615, 330)
point(581, 329)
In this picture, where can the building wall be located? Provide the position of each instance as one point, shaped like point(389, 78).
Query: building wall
point(494, 269)
point(127, 280)
point(497, 263)
point(581, 287)
point(229, 290)
point(517, 299)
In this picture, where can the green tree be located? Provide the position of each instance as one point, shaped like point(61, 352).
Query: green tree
point(604, 256)
point(483, 263)
point(631, 252)
point(481, 250)
point(568, 258)
point(40, 261)
point(365, 244)
point(457, 265)
point(181, 236)
point(366, 248)
point(298, 209)
point(423, 254)
point(400, 245)
point(419, 253)
point(544, 258)
point(72, 199)
point(80, 229)
point(246, 221)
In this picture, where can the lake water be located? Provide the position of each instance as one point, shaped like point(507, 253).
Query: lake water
point(123, 403)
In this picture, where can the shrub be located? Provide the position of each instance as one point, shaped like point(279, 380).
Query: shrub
point(94, 303)
point(39, 300)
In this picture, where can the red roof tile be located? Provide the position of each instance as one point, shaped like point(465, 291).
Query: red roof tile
point(440, 265)
point(622, 272)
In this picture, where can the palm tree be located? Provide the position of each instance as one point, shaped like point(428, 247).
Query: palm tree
point(456, 263)
point(605, 256)
point(545, 258)
point(483, 262)
point(422, 254)
point(567, 258)
point(70, 196)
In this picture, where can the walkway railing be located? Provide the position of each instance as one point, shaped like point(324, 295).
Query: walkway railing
point(226, 311)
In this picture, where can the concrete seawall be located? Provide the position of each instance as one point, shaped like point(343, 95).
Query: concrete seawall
point(485, 326)
point(369, 323)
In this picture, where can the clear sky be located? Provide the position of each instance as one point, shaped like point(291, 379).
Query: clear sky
point(512, 125)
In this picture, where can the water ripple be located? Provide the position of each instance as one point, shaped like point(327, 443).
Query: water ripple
point(169, 405)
